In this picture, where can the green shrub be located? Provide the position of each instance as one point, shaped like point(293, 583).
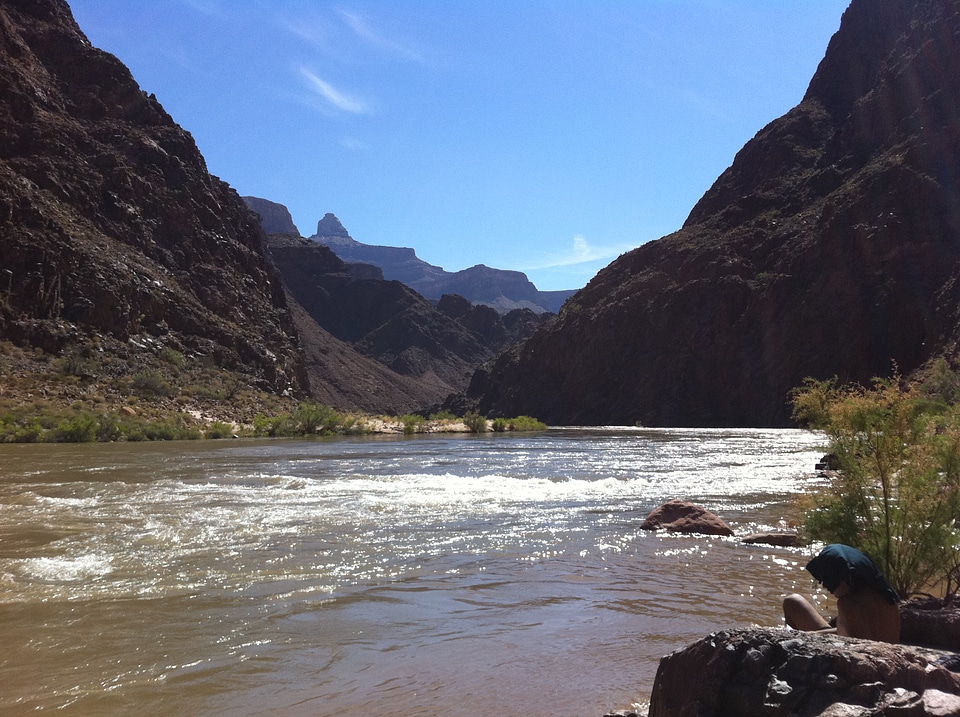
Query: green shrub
point(172, 356)
point(110, 428)
point(80, 429)
point(312, 417)
point(218, 429)
point(413, 423)
point(500, 425)
point(281, 426)
point(526, 423)
point(896, 495)
point(443, 416)
point(151, 383)
point(475, 422)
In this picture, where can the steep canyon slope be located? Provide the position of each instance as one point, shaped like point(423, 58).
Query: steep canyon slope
point(114, 238)
point(829, 247)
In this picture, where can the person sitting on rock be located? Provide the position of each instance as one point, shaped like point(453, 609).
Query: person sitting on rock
point(866, 603)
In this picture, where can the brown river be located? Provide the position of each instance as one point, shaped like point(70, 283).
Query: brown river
point(486, 576)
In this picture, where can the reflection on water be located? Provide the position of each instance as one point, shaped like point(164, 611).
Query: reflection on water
point(448, 574)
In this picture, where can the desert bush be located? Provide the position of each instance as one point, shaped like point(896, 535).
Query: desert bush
point(110, 428)
point(282, 426)
point(500, 425)
point(151, 383)
point(218, 429)
point(413, 423)
point(526, 423)
point(475, 422)
point(314, 417)
point(79, 429)
point(896, 495)
point(172, 356)
point(443, 416)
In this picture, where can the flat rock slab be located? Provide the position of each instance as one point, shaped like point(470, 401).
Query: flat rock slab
point(780, 539)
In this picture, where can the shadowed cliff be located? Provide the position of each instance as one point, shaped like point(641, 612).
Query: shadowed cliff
point(829, 247)
point(113, 235)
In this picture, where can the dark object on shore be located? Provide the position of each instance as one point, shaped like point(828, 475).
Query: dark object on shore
point(933, 622)
point(778, 673)
point(780, 539)
point(680, 516)
point(830, 462)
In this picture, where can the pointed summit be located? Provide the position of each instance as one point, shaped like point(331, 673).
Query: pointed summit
point(330, 226)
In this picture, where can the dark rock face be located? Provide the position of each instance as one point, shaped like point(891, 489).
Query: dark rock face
point(932, 622)
point(680, 516)
point(110, 224)
point(830, 247)
point(501, 289)
point(274, 218)
point(778, 672)
point(437, 347)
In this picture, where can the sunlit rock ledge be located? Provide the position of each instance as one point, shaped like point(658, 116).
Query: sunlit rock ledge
point(780, 672)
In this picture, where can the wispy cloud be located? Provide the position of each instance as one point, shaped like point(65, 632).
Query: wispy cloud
point(583, 252)
point(365, 32)
point(335, 98)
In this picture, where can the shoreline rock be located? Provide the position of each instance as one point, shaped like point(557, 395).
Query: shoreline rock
point(777, 672)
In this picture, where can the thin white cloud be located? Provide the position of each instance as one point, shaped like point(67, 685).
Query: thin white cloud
point(331, 95)
point(583, 252)
point(362, 30)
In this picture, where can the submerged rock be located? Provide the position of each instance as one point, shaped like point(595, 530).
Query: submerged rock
point(780, 539)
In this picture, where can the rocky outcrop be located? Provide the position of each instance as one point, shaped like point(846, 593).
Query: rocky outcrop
point(111, 228)
point(830, 247)
point(433, 349)
point(501, 289)
point(680, 516)
point(274, 218)
point(780, 672)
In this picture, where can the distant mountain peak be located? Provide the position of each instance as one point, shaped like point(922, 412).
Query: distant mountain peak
point(330, 226)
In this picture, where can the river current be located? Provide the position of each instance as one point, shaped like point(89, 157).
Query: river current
point(489, 575)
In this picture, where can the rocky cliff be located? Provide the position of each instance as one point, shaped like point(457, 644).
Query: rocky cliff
point(274, 218)
point(830, 247)
point(499, 288)
point(430, 351)
point(113, 235)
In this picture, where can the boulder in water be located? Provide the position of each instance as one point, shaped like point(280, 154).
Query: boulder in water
point(680, 516)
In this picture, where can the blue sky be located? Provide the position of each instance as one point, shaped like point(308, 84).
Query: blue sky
point(543, 136)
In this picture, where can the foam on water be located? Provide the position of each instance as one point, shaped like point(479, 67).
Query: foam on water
point(306, 569)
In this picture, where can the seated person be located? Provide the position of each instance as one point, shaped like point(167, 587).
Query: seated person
point(866, 604)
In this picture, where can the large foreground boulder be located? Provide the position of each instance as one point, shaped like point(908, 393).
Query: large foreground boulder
point(774, 672)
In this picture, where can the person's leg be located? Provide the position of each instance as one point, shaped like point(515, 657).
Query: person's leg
point(800, 614)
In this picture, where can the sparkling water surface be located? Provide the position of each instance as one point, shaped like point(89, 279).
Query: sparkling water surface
point(428, 575)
